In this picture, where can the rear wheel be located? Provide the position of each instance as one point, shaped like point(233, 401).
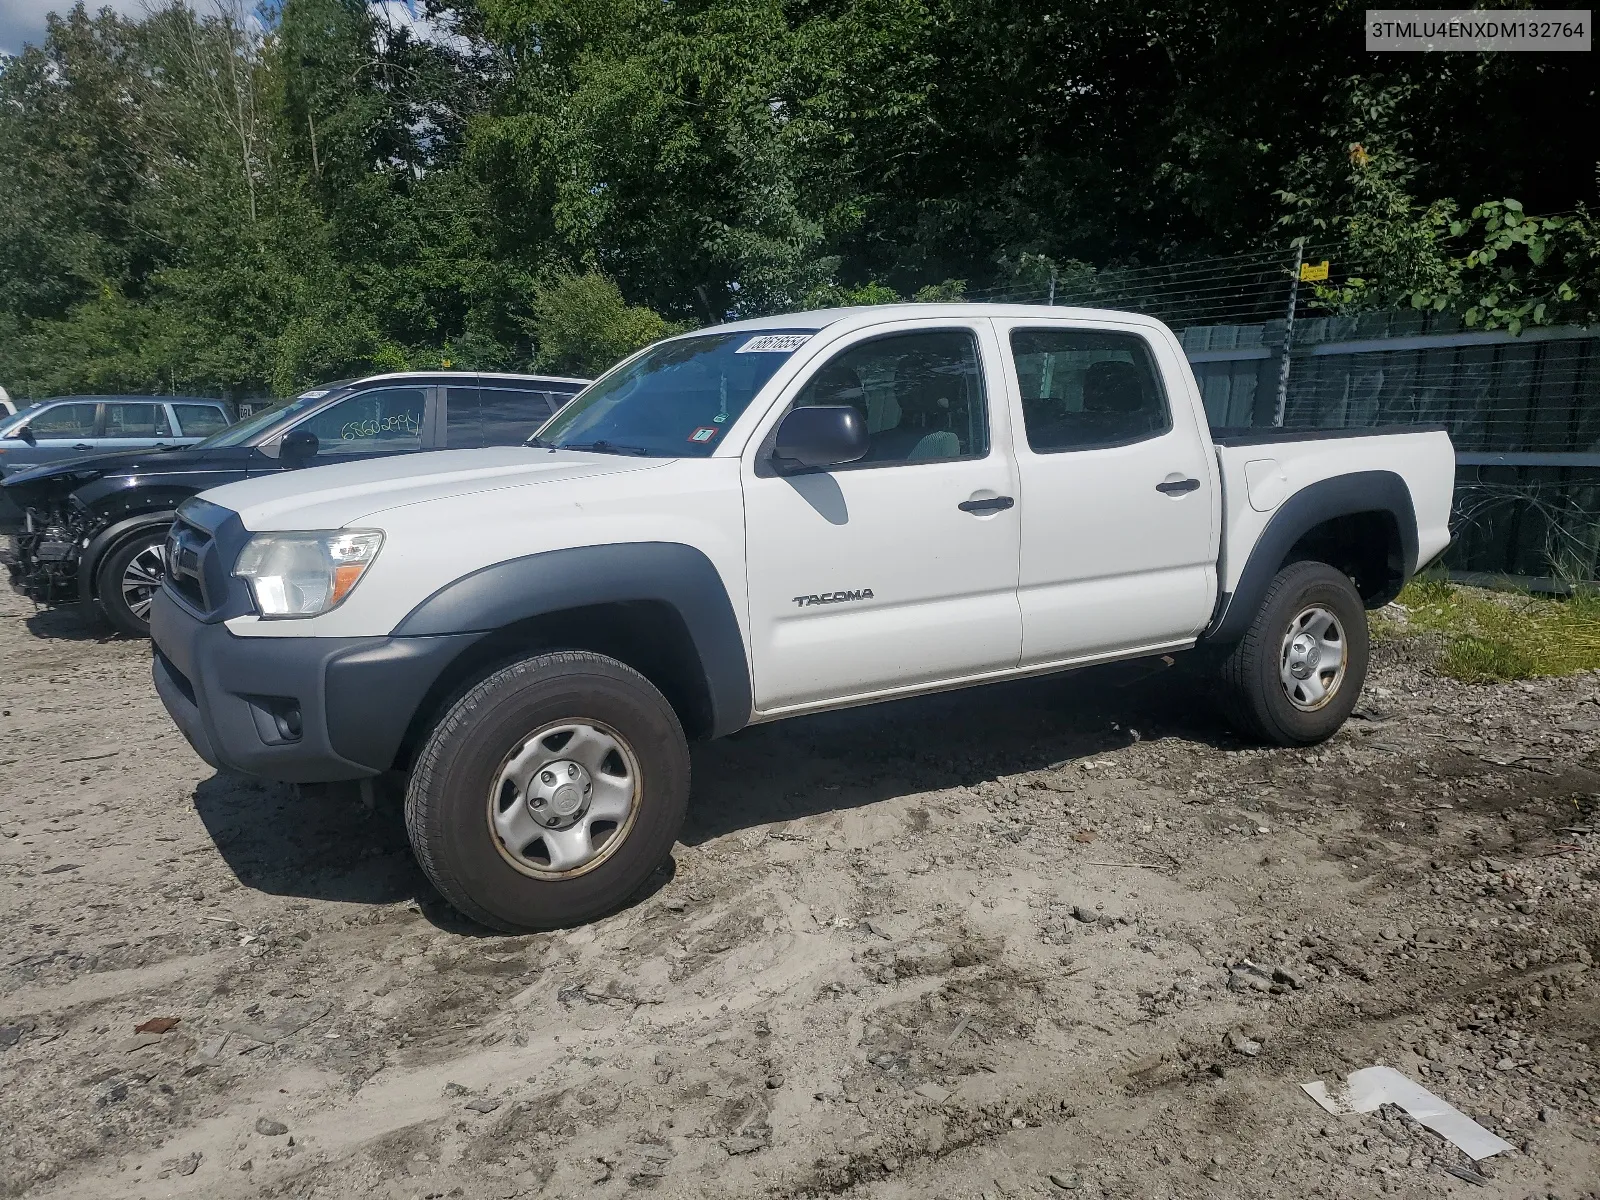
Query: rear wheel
point(129, 578)
point(1298, 671)
point(548, 793)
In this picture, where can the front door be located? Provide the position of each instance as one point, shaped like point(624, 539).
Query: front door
point(378, 421)
point(60, 431)
point(899, 570)
point(1119, 520)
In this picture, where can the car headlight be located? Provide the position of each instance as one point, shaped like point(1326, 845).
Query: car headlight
point(304, 574)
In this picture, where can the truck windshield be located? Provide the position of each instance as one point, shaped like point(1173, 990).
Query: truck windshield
point(676, 399)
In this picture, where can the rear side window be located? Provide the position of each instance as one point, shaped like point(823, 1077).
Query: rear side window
point(200, 420)
point(511, 416)
point(1082, 389)
point(137, 421)
point(463, 418)
point(64, 421)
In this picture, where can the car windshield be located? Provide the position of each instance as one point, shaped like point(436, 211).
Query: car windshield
point(676, 398)
point(241, 432)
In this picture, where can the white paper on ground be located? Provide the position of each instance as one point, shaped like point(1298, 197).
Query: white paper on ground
point(1371, 1087)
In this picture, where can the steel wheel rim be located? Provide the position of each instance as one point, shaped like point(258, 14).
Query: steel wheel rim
point(142, 577)
point(564, 799)
point(1312, 659)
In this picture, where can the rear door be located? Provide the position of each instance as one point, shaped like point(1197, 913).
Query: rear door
point(136, 425)
point(899, 570)
point(1118, 493)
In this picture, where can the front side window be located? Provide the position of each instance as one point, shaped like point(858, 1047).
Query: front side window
point(1082, 389)
point(921, 394)
point(137, 421)
point(64, 421)
point(677, 398)
point(377, 422)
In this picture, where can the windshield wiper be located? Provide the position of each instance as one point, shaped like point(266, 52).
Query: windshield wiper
point(604, 447)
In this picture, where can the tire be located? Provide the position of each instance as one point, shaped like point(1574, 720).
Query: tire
point(496, 765)
point(1271, 679)
point(128, 579)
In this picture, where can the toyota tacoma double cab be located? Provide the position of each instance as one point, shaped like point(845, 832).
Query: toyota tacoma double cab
point(759, 520)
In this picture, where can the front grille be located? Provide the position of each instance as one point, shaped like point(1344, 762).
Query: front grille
point(185, 545)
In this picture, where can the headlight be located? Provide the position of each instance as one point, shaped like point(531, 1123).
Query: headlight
point(304, 574)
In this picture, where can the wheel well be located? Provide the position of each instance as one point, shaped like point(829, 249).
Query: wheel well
point(1366, 546)
point(104, 552)
point(648, 635)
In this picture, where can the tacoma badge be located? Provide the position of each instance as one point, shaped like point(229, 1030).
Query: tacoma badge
point(833, 598)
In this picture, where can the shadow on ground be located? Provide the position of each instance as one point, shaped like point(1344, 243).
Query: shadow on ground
point(65, 623)
point(325, 843)
point(861, 756)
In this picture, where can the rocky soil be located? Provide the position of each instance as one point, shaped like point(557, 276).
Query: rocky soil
point(1067, 938)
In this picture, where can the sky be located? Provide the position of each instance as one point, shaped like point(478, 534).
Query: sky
point(23, 20)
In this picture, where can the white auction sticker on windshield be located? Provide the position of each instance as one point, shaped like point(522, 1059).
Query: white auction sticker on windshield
point(774, 343)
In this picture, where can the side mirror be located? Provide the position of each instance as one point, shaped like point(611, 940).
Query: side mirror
point(826, 436)
point(23, 433)
point(299, 446)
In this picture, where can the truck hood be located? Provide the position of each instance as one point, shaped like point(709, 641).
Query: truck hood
point(333, 497)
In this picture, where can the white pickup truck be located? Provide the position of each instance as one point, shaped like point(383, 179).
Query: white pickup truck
point(757, 520)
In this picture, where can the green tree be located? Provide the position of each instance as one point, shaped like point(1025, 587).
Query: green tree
point(581, 324)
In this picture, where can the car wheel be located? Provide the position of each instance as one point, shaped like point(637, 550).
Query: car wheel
point(1298, 671)
point(549, 792)
point(129, 578)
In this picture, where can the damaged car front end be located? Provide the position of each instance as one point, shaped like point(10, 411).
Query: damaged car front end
point(43, 555)
point(92, 530)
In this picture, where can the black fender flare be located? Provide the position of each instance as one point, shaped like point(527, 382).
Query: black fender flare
point(669, 573)
point(1341, 496)
point(89, 560)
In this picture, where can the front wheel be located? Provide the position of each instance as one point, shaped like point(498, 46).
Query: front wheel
point(129, 578)
point(547, 794)
point(1297, 673)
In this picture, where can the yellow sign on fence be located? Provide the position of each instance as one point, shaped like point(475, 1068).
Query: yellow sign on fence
point(1314, 272)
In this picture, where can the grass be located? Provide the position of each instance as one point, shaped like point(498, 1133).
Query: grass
point(1491, 636)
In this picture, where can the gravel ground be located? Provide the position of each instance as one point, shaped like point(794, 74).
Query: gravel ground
point(1061, 938)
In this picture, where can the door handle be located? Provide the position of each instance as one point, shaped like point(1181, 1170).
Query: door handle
point(83, 446)
point(1178, 486)
point(992, 505)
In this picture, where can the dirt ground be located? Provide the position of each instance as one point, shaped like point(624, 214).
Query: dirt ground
point(1066, 938)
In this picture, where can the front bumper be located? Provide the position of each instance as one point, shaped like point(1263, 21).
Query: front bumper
point(293, 709)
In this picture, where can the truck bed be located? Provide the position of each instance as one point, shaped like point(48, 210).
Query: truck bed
point(1265, 470)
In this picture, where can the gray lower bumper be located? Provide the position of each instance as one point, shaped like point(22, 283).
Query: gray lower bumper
point(294, 709)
